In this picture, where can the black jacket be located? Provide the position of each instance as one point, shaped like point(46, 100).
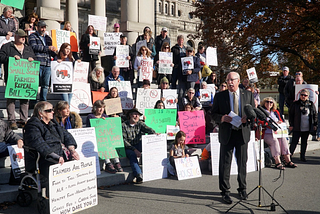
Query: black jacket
point(289, 92)
point(159, 42)
point(282, 81)
point(85, 40)
point(177, 69)
point(295, 116)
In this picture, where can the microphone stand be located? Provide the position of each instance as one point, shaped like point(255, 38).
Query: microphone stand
point(260, 187)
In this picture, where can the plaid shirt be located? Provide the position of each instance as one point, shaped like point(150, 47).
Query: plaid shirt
point(132, 135)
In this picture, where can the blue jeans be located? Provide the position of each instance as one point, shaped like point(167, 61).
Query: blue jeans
point(44, 80)
point(131, 155)
point(281, 103)
point(67, 97)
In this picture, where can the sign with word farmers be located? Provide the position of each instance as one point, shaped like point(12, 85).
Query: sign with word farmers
point(312, 89)
point(59, 37)
point(125, 93)
point(187, 64)
point(17, 160)
point(147, 98)
point(211, 56)
point(80, 72)
point(81, 98)
point(187, 168)
point(205, 96)
point(122, 52)
point(171, 98)
point(3, 40)
point(73, 186)
point(154, 161)
point(158, 119)
point(111, 40)
point(61, 77)
point(252, 75)
point(98, 22)
point(109, 137)
point(86, 144)
point(94, 47)
point(113, 106)
point(193, 124)
point(165, 62)
point(23, 79)
point(139, 45)
point(146, 70)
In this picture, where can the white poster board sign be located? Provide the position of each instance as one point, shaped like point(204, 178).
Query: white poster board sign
point(62, 36)
point(312, 89)
point(86, 144)
point(187, 64)
point(187, 168)
point(147, 98)
point(146, 70)
point(125, 93)
point(3, 40)
point(205, 96)
point(212, 88)
point(94, 47)
point(111, 40)
point(140, 44)
point(211, 56)
point(172, 131)
point(252, 75)
point(282, 132)
point(80, 72)
point(171, 97)
point(154, 161)
point(165, 61)
point(73, 186)
point(122, 53)
point(61, 77)
point(98, 22)
point(81, 101)
point(17, 160)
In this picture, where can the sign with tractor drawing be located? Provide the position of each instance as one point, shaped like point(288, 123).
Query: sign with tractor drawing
point(61, 77)
point(171, 98)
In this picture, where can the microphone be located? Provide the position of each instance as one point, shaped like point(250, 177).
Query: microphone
point(268, 116)
point(248, 110)
point(262, 116)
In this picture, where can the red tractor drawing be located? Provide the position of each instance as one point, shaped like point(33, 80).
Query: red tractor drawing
point(170, 101)
point(251, 73)
point(205, 95)
point(64, 73)
point(94, 43)
point(17, 157)
point(186, 63)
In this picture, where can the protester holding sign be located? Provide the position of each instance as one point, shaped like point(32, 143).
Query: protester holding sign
point(113, 76)
point(67, 119)
point(84, 46)
point(191, 99)
point(113, 93)
point(19, 50)
point(96, 79)
point(143, 54)
point(67, 26)
point(164, 48)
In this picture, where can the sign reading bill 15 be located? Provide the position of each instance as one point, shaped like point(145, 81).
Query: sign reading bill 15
point(23, 79)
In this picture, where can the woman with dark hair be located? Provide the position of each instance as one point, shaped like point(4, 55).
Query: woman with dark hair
point(84, 46)
point(159, 105)
point(113, 93)
point(212, 79)
point(67, 119)
point(143, 53)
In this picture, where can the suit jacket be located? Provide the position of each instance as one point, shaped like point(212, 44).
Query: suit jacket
point(221, 106)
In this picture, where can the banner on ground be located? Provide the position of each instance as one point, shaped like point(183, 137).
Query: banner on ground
point(193, 124)
point(3, 40)
point(59, 37)
point(73, 186)
point(61, 77)
point(146, 70)
point(172, 131)
point(165, 61)
point(122, 53)
point(23, 79)
point(80, 72)
point(125, 93)
point(113, 106)
point(140, 44)
point(187, 168)
point(81, 98)
point(111, 40)
point(94, 47)
point(171, 98)
point(86, 144)
point(16, 3)
point(154, 161)
point(98, 22)
point(211, 56)
point(312, 89)
point(109, 137)
point(17, 160)
point(187, 64)
point(252, 75)
point(158, 119)
point(147, 98)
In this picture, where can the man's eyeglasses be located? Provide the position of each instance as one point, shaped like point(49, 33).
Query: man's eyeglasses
point(231, 80)
point(48, 110)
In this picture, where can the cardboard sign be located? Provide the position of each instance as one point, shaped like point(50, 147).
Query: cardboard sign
point(74, 42)
point(187, 64)
point(61, 77)
point(111, 40)
point(125, 93)
point(211, 56)
point(147, 98)
point(16, 3)
point(158, 119)
point(109, 137)
point(23, 79)
point(94, 47)
point(154, 161)
point(81, 99)
point(146, 70)
point(59, 37)
point(97, 95)
point(193, 124)
point(252, 75)
point(17, 160)
point(113, 106)
point(86, 144)
point(3, 40)
point(80, 72)
point(139, 45)
point(312, 89)
point(73, 186)
point(165, 61)
point(122, 53)
point(187, 168)
point(171, 97)
point(172, 132)
point(98, 22)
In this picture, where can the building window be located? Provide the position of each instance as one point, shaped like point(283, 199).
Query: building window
point(172, 10)
point(160, 7)
point(166, 8)
point(190, 16)
point(179, 13)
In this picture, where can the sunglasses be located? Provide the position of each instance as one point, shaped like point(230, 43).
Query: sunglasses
point(298, 73)
point(167, 47)
point(269, 101)
point(191, 92)
point(304, 95)
point(49, 110)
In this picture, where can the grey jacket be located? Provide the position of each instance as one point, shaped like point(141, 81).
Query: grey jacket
point(5, 28)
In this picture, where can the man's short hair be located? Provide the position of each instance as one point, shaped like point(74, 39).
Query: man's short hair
point(180, 37)
point(114, 67)
point(7, 8)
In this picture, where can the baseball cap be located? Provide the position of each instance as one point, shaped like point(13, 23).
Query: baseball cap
point(116, 25)
point(164, 29)
point(285, 68)
point(42, 23)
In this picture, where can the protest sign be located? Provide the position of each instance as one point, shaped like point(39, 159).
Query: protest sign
point(74, 42)
point(80, 72)
point(312, 89)
point(97, 95)
point(187, 64)
point(193, 124)
point(205, 96)
point(147, 98)
point(187, 168)
point(81, 98)
point(23, 79)
point(59, 37)
point(122, 53)
point(98, 22)
point(3, 40)
point(172, 131)
point(282, 132)
point(165, 61)
point(111, 40)
point(158, 119)
point(171, 97)
point(17, 160)
point(86, 144)
point(140, 44)
point(154, 161)
point(16, 3)
point(73, 186)
point(109, 137)
point(146, 70)
point(125, 93)
point(211, 56)
point(113, 106)
point(94, 47)
point(212, 88)
point(61, 77)
point(252, 75)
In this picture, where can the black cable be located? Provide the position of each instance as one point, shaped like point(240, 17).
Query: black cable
point(276, 179)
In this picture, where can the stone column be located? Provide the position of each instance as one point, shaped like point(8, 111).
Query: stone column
point(129, 16)
point(72, 15)
point(49, 11)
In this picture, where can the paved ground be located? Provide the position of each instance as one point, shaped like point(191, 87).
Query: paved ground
point(298, 194)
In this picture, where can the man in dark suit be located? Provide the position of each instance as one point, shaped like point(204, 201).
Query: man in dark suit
point(230, 137)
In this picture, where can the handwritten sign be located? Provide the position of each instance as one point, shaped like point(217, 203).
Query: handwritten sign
point(109, 137)
point(16, 3)
point(3, 40)
point(111, 40)
point(139, 45)
point(80, 72)
point(125, 93)
point(165, 61)
point(170, 96)
point(113, 106)
point(17, 160)
point(187, 64)
point(98, 22)
point(187, 168)
point(86, 144)
point(211, 56)
point(59, 37)
point(312, 89)
point(158, 119)
point(94, 47)
point(61, 77)
point(81, 99)
point(193, 124)
point(122, 54)
point(73, 186)
point(252, 75)
point(146, 70)
point(23, 79)
point(147, 98)
point(172, 131)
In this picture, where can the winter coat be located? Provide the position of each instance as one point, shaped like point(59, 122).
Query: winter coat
point(95, 83)
point(85, 40)
point(282, 81)
point(75, 119)
point(5, 28)
point(177, 69)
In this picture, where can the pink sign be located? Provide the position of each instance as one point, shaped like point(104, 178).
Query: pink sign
point(193, 124)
